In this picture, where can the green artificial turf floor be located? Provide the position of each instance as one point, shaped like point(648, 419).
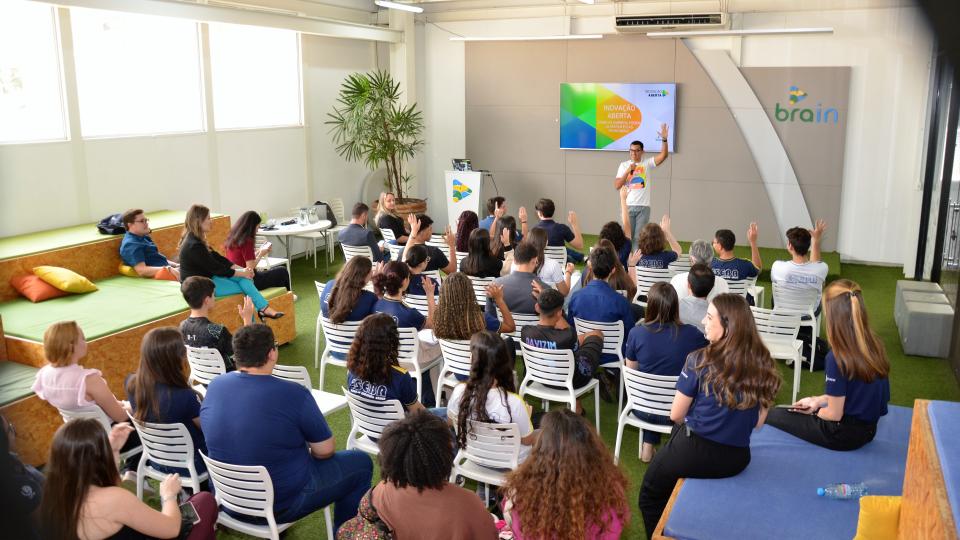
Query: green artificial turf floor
point(911, 377)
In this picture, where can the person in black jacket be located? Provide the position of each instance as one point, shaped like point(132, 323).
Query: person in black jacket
point(198, 259)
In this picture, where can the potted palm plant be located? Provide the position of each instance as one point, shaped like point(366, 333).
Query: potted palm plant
point(369, 125)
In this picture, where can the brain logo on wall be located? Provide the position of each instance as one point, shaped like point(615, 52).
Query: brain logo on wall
point(460, 191)
point(815, 115)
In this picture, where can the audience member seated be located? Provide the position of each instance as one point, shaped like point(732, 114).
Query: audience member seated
point(21, 488)
point(620, 279)
point(481, 261)
point(503, 241)
point(581, 469)
point(857, 387)
point(344, 297)
point(417, 259)
point(518, 284)
point(659, 346)
point(83, 498)
point(559, 234)
point(414, 497)
point(693, 307)
point(245, 408)
point(490, 394)
point(67, 385)
point(613, 232)
point(652, 240)
point(239, 250)
point(553, 332)
point(357, 234)
point(421, 229)
point(466, 224)
point(599, 302)
point(198, 330)
point(700, 253)
point(373, 371)
point(159, 393)
point(549, 270)
point(458, 316)
point(805, 270)
point(388, 218)
point(496, 211)
point(723, 394)
point(197, 258)
point(391, 284)
point(138, 251)
point(726, 265)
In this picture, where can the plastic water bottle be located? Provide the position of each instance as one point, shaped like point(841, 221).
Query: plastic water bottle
point(843, 491)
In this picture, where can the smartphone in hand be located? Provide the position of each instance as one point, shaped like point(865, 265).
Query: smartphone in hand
point(188, 513)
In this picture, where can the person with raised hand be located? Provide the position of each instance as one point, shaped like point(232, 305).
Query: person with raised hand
point(559, 234)
point(633, 180)
point(421, 229)
point(653, 242)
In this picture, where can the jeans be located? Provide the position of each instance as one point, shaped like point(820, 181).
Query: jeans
point(225, 286)
point(652, 437)
point(342, 478)
point(639, 216)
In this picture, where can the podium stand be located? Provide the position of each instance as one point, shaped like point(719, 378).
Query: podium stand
point(462, 189)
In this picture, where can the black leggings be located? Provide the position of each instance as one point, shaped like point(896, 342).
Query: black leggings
point(847, 434)
point(274, 277)
point(685, 455)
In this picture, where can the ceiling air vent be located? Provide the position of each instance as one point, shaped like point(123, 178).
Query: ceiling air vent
point(656, 23)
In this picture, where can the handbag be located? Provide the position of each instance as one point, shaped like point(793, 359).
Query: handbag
point(112, 224)
point(367, 525)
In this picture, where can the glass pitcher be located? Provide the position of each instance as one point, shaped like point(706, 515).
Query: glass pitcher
point(303, 218)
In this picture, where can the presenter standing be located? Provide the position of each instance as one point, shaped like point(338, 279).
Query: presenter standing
point(634, 174)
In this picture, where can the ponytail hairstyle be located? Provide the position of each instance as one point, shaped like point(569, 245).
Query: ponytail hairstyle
point(738, 368)
point(192, 223)
point(490, 364)
point(858, 350)
point(390, 279)
point(347, 287)
point(415, 255)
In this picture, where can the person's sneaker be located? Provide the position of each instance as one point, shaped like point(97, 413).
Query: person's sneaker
point(606, 385)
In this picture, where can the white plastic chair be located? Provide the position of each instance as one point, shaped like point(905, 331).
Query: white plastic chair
point(681, 265)
point(738, 286)
point(369, 418)
point(409, 357)
point(520, 320)
point(337, 339)
point(647, 393)
point(419, 302)
point(480, 288)
point(456, 361)
point(350, 252)
point(492, 450)
point(96, 413)
point(613, 338)
point(435, 274)
point(552, 367)
point(756, 291)
point(779, 330)
point(556, 253)
point(804, 302)
point(461, 255)
point(438, 242)
point(169, 445)
point(248, 490)
point(392, 245)
point(327, 402)
point(205, 364)
point(646, 278)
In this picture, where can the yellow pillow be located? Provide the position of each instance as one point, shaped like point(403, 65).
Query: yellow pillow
point(879, 518)
point(128, 271)
point(65, 280)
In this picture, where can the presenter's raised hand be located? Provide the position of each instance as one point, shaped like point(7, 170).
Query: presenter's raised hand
point(664, 130)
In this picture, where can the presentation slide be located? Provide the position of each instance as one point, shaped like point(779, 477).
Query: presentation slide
point(608, 116)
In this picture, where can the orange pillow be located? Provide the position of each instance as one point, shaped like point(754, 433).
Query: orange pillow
point(35, 289)
point(165, 274)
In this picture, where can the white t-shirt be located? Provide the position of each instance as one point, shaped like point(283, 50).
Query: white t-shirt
point(639, 185)
point(550, 273)
point(512, 410)
point(800, 276)
point(679, 283)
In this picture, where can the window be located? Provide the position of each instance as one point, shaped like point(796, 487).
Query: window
point(31, 92)
point(136, 74)
point(256, 76)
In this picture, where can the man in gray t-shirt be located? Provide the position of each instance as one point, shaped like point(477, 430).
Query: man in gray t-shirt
point(693, 308)
point(518, 285)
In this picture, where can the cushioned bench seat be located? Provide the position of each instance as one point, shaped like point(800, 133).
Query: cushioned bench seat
point(776, 496)
point(945, 424)
point(121, 303)
point(16, 381)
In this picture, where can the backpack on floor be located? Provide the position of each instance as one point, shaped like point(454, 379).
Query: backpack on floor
point(819, 355)
point(112, 224)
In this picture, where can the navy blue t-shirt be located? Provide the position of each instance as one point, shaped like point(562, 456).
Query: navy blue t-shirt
point(657, 260)
point(597, 301)
point(492, 322)
point(866, 401)
point(416, 285)
point(264, 420)
point(662, 349)
point(400, 387)
point(557, 233)
point(712, 420)
point(364, 305)
point(175, 406)
point(624, 253)
point(404, 315)
point(733, 269)
point(136, 249)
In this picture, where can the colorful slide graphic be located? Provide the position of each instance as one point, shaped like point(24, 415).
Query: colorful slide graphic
point(608, 116)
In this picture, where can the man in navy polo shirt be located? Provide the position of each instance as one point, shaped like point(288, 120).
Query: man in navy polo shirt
point(357, 233)
point(727, 266)
point(597, 301)
point(559, 234)
point(137, 249)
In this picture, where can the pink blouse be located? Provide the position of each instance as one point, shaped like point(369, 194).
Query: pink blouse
point(64, 387)
point(614, 528)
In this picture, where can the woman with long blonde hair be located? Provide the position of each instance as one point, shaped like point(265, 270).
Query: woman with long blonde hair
point(723, 394)
point(857, 387)
point(197, 258)
point(388, 218)
point(569, 488)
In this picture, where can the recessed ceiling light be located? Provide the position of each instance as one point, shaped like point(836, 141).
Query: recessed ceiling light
point(526, 38)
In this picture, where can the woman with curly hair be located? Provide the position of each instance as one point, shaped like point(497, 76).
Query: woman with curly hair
point(568, 463)
point(613, 232)
point(373, 371)
point(459, 317)
point(480, 260)
point(489, 395)
point(651, 243)
point(723, 394)
point(466, 224)
point(417, 258)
